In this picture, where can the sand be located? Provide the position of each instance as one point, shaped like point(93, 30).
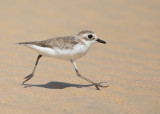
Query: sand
point(129, 62)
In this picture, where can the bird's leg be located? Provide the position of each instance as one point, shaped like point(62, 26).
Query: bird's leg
point(78, 74)
point(32, 74)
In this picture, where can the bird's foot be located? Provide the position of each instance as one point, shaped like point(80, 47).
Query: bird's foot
point(28, 78)
point(97, 85)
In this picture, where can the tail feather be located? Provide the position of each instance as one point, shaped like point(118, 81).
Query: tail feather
point(25, 43)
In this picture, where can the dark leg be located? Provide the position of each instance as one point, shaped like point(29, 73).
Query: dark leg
point(78, 74)
point(32, 74)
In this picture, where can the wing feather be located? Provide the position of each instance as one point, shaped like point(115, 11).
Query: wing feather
point(66, 42)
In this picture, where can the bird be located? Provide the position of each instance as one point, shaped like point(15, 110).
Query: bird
point(68, 48)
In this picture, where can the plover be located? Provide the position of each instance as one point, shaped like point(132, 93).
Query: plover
point(67, 48)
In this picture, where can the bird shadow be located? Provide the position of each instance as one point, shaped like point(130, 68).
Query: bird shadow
point(57, 85)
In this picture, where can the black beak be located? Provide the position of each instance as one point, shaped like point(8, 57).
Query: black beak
point(100, 41)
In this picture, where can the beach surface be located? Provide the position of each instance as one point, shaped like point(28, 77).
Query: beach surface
point(129, 63)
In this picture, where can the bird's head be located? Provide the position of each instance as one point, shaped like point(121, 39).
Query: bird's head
point(89, 37)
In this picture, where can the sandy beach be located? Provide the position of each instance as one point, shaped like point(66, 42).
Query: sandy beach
point(129, 63)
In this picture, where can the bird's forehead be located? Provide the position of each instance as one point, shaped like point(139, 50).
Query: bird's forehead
point(85, 32)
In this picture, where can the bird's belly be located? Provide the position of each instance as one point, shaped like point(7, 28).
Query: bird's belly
point(66, 54)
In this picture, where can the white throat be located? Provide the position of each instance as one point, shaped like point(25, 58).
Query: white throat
point(88, 43)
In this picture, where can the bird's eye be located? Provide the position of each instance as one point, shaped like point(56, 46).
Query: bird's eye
point(90, 36)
